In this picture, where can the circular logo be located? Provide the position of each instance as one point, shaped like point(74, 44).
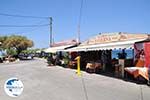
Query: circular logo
point(13, 87)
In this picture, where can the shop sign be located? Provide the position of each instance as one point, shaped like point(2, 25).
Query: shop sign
point(106, 38)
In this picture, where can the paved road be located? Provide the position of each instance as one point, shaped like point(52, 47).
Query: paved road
point(57, 83)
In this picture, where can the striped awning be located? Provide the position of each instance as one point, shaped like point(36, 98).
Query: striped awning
point(106, 46)
point(57, 49)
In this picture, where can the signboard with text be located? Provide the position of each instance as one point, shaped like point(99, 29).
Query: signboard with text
point(107, 38)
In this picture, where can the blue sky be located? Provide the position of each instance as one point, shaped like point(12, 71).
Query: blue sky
point(97, 16)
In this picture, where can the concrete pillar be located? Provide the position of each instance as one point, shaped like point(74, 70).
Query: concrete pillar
point(122, 63)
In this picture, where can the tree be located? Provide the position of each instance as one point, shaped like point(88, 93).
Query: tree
point(11, 52)
point(2, 39)
point(28, 51)
point(19, 43)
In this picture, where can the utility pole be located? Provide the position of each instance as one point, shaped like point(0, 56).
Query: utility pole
point(80, 15)
point(51, 34)
point(78, 34)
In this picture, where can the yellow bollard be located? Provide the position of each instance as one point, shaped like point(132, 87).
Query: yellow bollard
point(78, 66)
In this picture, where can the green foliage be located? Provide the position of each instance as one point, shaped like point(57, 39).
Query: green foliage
point(28, 51)
point(2, 40)
point(66, 61)
point(66, 55)
point(19, 43)
point(66, 58)
point(11, 51)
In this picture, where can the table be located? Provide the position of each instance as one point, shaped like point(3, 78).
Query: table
point(138, 71)
point(72, 64)
point(93, 66)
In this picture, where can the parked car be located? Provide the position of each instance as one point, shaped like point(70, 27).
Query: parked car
point(25, 56)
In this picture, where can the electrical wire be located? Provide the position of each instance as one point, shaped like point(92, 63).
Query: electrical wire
point(23, 25)
point(10, 15)
point(27, 31)
point(31, 28)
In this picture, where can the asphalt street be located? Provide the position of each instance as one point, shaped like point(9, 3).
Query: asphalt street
point(56, 83)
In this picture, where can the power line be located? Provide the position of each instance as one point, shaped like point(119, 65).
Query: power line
point(24, 25)
point(23, 16)
point(36, 28)
point(31, 28)
point(27, 31)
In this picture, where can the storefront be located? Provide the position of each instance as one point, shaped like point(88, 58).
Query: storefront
point(60, 46)
point(56, 54)
point(97, 53)
point(141, 60)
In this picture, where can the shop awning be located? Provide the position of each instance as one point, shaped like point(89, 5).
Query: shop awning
point(39, 51)
point(56, 49)
point(106, 46)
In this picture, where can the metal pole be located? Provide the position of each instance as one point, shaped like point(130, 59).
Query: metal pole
point(78, 39)
point(80, 15)
point(78, 65)
point(51, 34)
